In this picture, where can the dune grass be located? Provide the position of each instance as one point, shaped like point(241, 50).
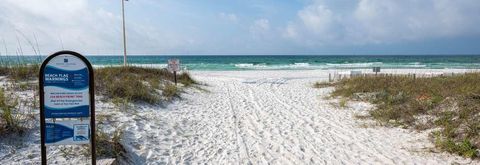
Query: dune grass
point(138, 84)
point(169, 90)
point(186, 79)
point(16, 114)
point(127, 83)
point(12, 117)
point(109, 145)
point(323, 84)
point(451, 104)
point(22, 72)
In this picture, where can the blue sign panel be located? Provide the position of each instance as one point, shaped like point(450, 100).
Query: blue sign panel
point(67, 132)
point(66, 86)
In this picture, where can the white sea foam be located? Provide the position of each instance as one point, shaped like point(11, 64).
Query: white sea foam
point(301, 64)
point(353, 65)
point(137, 65)
point(415, 65)
point(277, 67)
point(250, 66)
point(243, 65)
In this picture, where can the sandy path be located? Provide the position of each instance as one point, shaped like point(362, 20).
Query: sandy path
point(267, 117)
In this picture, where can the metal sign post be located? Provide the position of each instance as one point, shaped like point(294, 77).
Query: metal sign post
point(376, 70)
point(174, 66)
point(67, 102)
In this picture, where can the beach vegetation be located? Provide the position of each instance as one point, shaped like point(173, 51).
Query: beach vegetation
point(450, 104)
point(342, 103)
point(170, 91)
point(323, 84)
point(464, 147)
point(12, 121)
point(122, 103)
point(21, 72)
point(126, 83)
point(137, 84)
point(186, 79)
point(109, 145)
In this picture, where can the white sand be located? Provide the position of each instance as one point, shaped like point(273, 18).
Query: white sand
point(276, 117)
point(259, 117)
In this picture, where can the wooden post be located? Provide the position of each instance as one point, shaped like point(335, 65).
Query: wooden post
point(329, 77)
point(175, 76)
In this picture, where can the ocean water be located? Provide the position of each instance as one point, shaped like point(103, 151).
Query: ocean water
point(282, 62)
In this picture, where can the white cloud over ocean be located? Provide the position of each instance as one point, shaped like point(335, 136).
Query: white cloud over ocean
point(384, 21)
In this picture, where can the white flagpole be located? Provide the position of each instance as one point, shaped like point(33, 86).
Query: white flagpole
point(124, 35)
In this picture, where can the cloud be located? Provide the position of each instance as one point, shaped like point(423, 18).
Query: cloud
point(55, 21)
point(260, 26)
point(228, 17)
point(317, 18)
point(80, 26)
point(384, 21)
point(261, 34)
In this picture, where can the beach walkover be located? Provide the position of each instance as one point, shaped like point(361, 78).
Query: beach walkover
point(276, 117)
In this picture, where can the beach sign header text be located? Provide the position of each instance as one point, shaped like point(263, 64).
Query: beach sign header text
point(67, 101)
point(66, 88)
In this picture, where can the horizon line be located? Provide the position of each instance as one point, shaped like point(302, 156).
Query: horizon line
point(257, 55)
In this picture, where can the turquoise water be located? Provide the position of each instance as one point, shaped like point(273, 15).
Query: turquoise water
point(283, 62)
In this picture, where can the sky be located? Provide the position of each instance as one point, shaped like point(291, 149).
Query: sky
point(241, 27)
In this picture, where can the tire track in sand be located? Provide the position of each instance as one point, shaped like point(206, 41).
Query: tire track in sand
point(242, 147)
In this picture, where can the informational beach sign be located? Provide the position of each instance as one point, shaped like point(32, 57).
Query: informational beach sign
point(67, 132)
point(66, 87)
point(174, 65)
point(67, 102)
point(376, 69)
